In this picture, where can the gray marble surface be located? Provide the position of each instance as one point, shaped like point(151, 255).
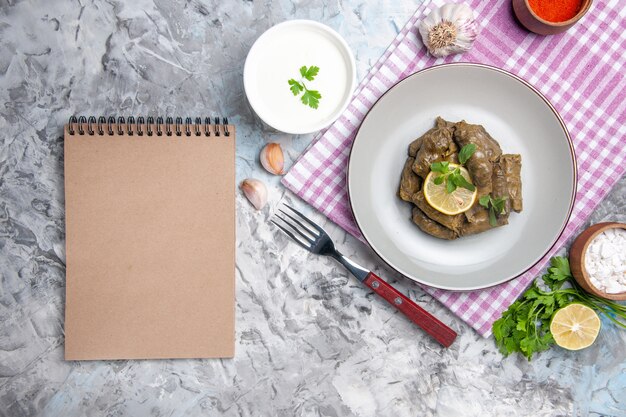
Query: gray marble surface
point(310, 341)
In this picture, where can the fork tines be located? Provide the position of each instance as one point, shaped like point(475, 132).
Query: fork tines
point(307, 231)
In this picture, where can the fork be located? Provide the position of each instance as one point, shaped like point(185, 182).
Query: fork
point(313, 238)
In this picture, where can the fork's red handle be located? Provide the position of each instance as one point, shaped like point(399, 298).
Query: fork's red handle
point(431, 325)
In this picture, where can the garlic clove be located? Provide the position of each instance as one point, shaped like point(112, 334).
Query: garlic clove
point(255, 191)
point(449, 29)
point(272, 159)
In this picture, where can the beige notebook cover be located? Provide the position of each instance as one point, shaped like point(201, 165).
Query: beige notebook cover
point(150, 231)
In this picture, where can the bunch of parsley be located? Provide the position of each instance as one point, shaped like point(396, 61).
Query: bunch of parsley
point(525, 326)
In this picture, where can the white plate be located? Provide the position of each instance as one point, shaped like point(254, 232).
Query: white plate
point(519, 118)
point(277, 56)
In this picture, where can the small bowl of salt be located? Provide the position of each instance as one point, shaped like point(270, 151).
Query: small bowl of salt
point(598, 260)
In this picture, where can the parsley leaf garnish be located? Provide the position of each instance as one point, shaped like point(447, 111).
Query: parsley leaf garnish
point(309, 73)
point(441, 167)
point(460, 181)
point(296, 87)
point(494, 205)
point(525, 326)
point(310, 98)
point(454, 179)
point(466, 152)
point(558, 273)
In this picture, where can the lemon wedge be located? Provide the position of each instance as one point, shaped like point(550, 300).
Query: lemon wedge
point(458, 201)
point(575, 327)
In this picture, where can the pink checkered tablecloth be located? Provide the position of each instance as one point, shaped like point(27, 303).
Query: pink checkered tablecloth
point(581, 72)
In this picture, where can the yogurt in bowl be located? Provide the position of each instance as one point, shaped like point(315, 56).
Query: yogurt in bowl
point(277, 57)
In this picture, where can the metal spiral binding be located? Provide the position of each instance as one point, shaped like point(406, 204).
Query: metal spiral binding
point(90, 123)
point(101, 120)
point(159, 123)
point(169, 121)
point(140, 122)
point(198, 124)
point(70, 125)
point(149, 125)
point(207, 126)
point(225, 124)
point(188, 126)
point(110, 124)
point(81, 125)
point(179, 121)
point(129, 126)
point(120, 125)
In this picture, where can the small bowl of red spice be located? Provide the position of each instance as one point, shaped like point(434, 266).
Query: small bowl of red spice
point(548, 17)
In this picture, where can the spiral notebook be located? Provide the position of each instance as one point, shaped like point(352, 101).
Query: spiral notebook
point(150, 238)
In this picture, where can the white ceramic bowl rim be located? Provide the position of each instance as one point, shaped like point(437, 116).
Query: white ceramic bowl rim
point(351, 63)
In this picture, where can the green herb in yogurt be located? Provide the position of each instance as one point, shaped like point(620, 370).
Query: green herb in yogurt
point(310, 98)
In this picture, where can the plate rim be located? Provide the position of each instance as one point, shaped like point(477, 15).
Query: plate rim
point(572, 155)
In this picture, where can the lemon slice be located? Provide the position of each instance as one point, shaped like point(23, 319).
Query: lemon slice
point(575, 326)
point(456, 202)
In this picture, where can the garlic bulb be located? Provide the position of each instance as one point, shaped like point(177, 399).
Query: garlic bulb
point(450, 29)
point(272, 158)
point(255, 191)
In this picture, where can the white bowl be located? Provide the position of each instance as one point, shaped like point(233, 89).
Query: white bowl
point(277, 56)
